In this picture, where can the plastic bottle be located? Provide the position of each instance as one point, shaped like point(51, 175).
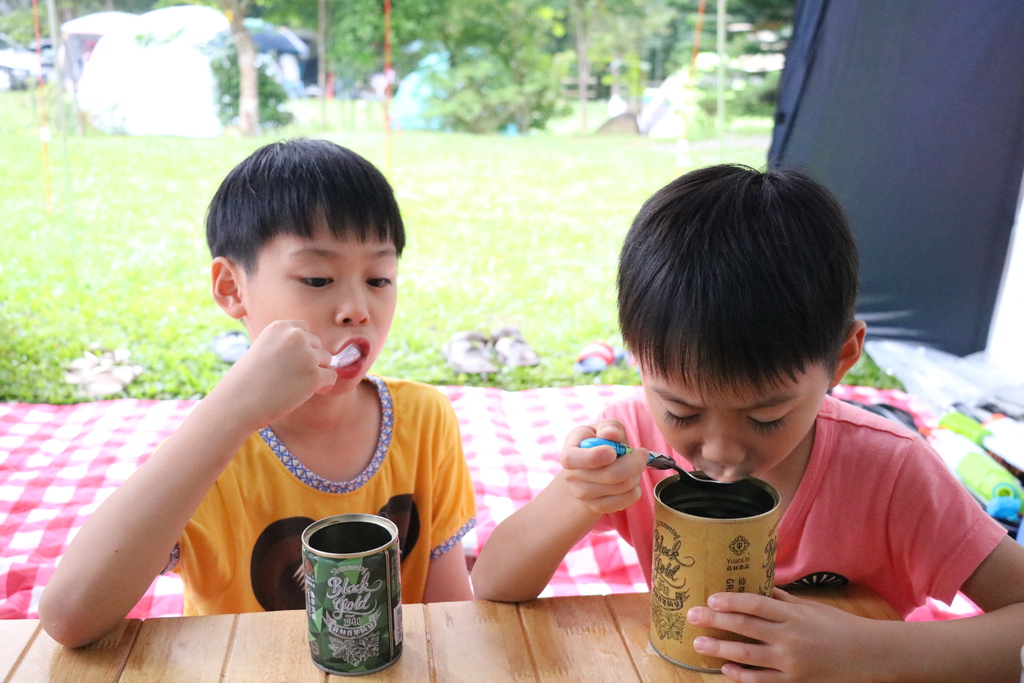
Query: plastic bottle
point(999, 434)
point(979, 472)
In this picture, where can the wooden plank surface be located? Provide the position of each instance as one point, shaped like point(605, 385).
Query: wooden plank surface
point(552, 640)
point(15, 635)
point(271, 648)
point(180, 649)
point(575, 639)
point(474, 641)
point(46, 660)
point(414, 664)
point(633, 614)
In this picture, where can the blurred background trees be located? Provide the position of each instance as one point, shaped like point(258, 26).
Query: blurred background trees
point(504, 65)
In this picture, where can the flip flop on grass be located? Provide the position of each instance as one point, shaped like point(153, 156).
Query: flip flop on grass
point(470, 353)
point(512, 349)
point(229, 346)
point(101, 371)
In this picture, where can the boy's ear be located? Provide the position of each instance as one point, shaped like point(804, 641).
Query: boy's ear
point(850, 351)
point(227, 278)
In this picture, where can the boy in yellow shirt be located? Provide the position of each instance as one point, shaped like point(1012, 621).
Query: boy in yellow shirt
point(305, 237)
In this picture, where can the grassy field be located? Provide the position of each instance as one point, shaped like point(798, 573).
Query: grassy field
point(104, 244)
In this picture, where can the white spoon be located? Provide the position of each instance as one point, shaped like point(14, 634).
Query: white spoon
point(347, 356)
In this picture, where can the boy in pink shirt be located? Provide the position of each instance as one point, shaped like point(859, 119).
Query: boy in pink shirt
point(737, 293)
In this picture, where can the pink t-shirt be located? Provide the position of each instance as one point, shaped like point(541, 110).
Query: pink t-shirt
point(876, 507)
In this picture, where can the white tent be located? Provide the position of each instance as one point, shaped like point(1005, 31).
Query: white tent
point(79, 37)
point(151, 76)
point(1006, 336)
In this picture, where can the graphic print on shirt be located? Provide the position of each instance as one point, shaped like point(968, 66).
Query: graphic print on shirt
point(275, 568)
point(829, 579)
point(401, 510)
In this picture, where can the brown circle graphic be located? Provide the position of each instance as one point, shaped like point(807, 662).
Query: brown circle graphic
point(275, 569)
point(402, 511)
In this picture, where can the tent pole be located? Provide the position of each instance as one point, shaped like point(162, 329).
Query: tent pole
point(720, 109)
point(58, 64)
point(1007, 326)
point(387, 81)
point(696, 42)
point(44, 131)
point(321, 59)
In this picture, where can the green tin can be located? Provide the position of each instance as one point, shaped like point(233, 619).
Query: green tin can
point(353, 593)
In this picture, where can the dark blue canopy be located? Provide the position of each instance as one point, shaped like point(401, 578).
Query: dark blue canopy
point(912, 113)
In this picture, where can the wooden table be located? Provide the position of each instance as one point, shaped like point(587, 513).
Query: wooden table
point(594, 638)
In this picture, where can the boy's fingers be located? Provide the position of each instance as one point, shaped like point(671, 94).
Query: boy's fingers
point(329, 379)
point(747, 654)
point(576, 458)
point(748, 603)
point(610, 429)
point(608, 504)
point(602, 463)
point(284, 325)
point(590, 484)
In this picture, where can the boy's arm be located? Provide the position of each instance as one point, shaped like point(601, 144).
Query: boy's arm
point(127, 541)
point(523, 552)
point(807, 641)
point(448, 578)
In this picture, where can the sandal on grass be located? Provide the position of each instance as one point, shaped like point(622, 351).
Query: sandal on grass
point(470, 353)
point(229, 346)
point(101, 372)
point(512, 349)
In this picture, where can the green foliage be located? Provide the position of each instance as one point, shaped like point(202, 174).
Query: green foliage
point(19, 25)
point(745, 94)
point(273, 98)
point(485, 94)
point(755, 95)
point(501, 73)
point(502, 230)
point(355, 45)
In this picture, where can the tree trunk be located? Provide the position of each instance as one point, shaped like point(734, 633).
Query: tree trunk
point(248, 95)
point(321, 59)
point(582, 61)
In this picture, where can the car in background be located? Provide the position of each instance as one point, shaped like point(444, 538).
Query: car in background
point(46, 55)
point(19, 66)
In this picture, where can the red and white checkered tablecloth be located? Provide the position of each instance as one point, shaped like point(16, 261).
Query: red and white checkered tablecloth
point(58, 463)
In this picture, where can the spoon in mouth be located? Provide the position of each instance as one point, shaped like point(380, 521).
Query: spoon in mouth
point(656, 461)
point(347, 356)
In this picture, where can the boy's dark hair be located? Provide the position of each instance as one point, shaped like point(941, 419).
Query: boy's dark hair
point(731, 276)
point(297, 187)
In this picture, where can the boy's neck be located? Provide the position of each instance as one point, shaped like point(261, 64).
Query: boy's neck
point(332, 413)
point(334, 436)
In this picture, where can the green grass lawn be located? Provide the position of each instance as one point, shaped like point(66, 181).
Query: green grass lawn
point(105, 244)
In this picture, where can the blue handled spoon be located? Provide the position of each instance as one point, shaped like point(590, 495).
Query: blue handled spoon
point(656, 461)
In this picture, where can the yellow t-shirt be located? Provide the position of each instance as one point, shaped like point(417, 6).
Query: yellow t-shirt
point(241, 551)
